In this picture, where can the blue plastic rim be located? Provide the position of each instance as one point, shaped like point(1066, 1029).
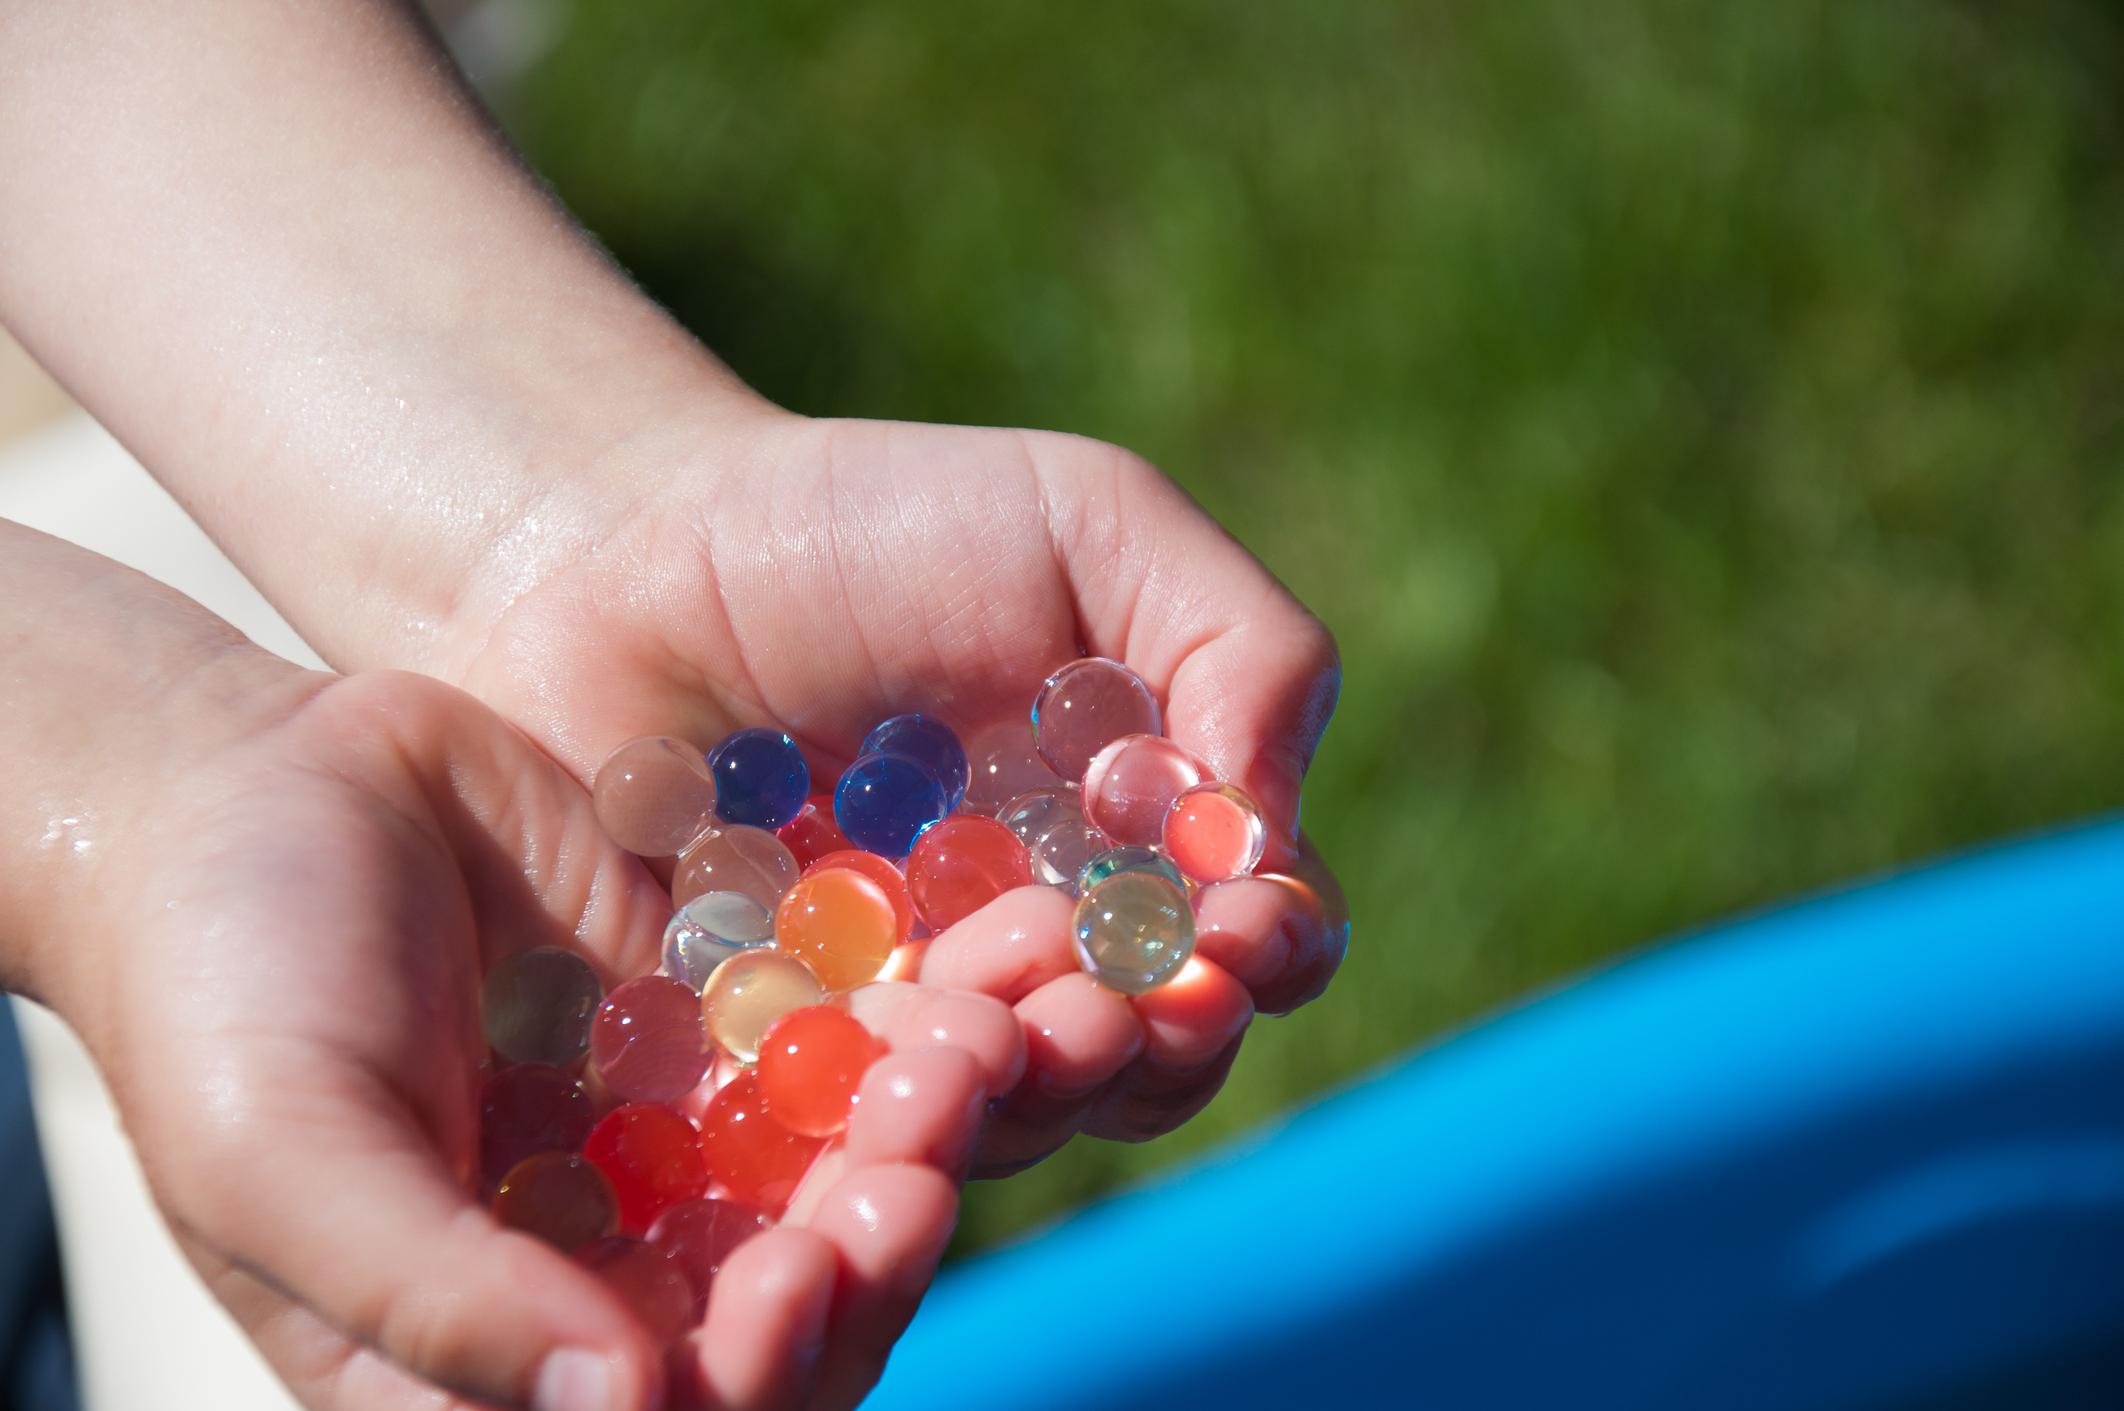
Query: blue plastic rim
point(1866, 1152)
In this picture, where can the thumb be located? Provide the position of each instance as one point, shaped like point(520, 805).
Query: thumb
point(359, 1221)
point(1250, 677)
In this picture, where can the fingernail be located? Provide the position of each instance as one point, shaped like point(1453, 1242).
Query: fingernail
point(574, 1379)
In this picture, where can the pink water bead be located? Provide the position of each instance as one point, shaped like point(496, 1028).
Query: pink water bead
point(654, 795)
point(1131, 784)
point(1085, 707)
point(699, 1235)
point(1215, 832)
point(1004, 765)
point(647, 1040)
point(733, 857)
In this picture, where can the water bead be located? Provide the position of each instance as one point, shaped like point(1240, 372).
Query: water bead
point(735, 858)
point(1215, 832)
point(962, 865)
point(652, 1157)
point(652, 1285)
point(1086, 706)
point(881, 871)
point(1064, 850)
point(760, 778)
point(811, 1063)
point(1004, 765)
point(1130, 857)
point(708, 930)
point(930, 743)
point(647, 1040)
point(1133, 932)
point(698, 1235)
point(653, 795)
point(526, 1110)
point(535, 1006)
point(840, 923)
point(1033, 812)
point(1130, 785)
point(558, 1197)
point(748, 993)
point(752, 1156)
point(884, 802)
point(812, 833)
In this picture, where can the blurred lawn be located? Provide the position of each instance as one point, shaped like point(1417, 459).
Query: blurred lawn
point(1699, 422)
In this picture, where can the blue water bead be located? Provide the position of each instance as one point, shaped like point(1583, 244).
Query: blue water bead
point(929, 741)
point(885, 800)
point(760, 778)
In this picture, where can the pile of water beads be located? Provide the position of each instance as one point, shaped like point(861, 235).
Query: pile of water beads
point(605, 1129)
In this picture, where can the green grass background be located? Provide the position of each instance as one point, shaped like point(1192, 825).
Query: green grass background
point(1699, 422)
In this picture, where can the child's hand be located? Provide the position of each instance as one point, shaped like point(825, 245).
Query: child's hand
point(278, 962)
point(820, 575)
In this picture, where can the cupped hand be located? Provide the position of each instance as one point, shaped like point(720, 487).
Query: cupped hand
point(819, 575)
point(290, 1028)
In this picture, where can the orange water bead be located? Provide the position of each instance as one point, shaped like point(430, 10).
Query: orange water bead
point(560, 1198)
point(839, 922)
point(751, 1155)
point(811, 1064)
point(652, 1285)
point(880, 870)
point(1215, 832)
point(652, 1157)
point(963, 864)
point(812, 834)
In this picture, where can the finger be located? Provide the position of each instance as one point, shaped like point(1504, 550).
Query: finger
point(359, 1223)
point(1025, 1129)
point(916, 1016)
point(1148, 1101)
point(1276, 935)
point(1078, 1034)
point(923, 1107)
point(1188, 1020)
point(1007, 949)
point(889, 1224)
point(765, 1333)
point(1249, 676)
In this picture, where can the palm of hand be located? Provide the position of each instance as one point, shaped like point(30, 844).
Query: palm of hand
point(334, 891)
point(839, 572)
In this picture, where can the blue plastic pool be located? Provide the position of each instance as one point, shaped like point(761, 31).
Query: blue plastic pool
point(1864, 1152)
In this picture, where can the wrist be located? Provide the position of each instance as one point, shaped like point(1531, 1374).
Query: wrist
point(115, 690)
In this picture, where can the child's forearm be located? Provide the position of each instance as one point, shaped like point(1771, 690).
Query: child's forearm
point(279, 251)
point(109, 682)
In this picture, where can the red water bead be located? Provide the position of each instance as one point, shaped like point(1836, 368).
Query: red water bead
point(811, 1063)
point(698, 1235)
point(647, 1040)
point(652, 1158)
point(652, 1285)
point(812, 833)
point(526, 1110)
point(1131, 784)
point(752, 1156)
point(879, 870)
point(961, 865)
